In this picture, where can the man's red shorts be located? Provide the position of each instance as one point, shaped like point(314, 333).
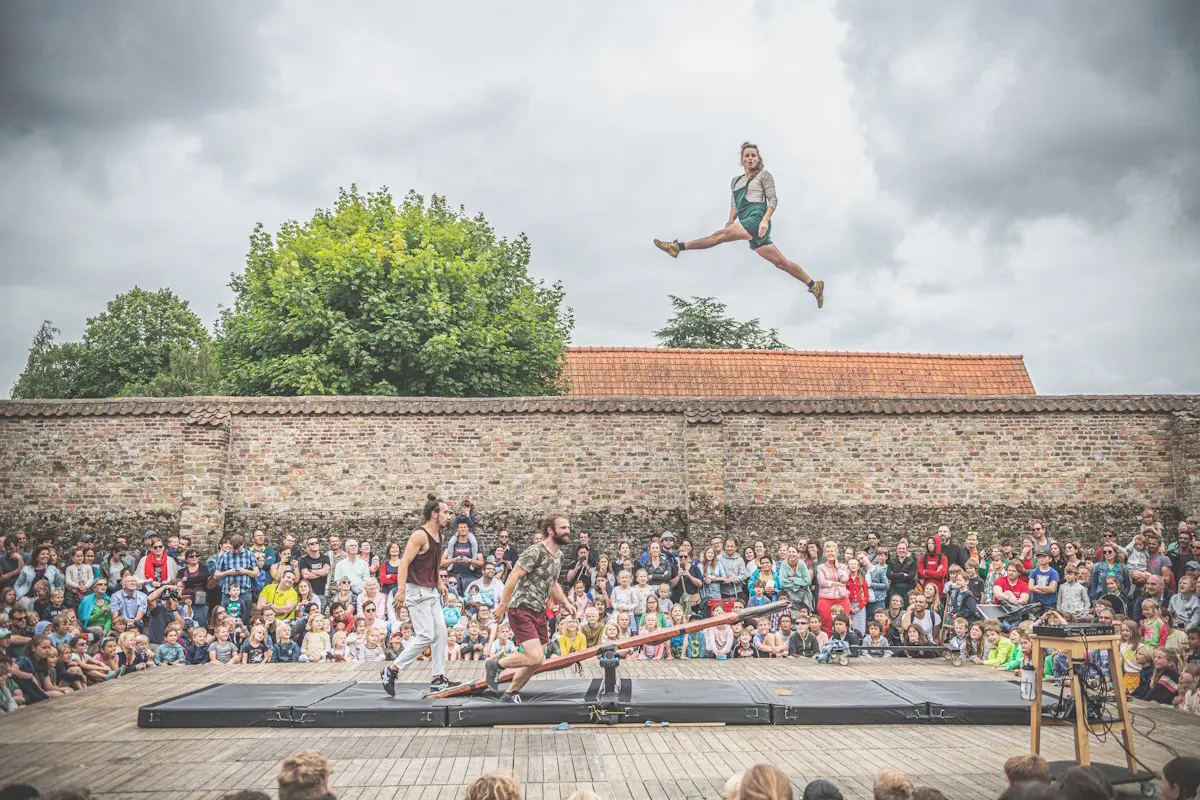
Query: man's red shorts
point(528, 625)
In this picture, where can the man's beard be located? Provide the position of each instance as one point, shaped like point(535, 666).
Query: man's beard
point(560, 538)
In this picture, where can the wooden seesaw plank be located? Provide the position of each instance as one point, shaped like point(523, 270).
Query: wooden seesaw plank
point(652, 637)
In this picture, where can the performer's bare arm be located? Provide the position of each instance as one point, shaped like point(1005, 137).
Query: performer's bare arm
point(518, 572)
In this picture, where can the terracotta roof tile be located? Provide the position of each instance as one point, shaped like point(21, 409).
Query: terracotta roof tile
point(665, 372)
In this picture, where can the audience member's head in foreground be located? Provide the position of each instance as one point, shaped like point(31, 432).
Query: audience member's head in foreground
point(765, 782)
point(305, 776)
point(892, 784)
point(1026, 768)
point(494, 786)
point(822, 789)
point(1085, 783)
point(1181, 778)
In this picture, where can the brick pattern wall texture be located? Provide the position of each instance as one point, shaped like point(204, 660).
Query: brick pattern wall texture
point(618, 474)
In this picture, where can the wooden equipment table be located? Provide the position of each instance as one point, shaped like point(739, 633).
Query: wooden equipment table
point(1077, 650)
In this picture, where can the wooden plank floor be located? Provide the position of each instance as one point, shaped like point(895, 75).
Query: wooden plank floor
point(92, 739)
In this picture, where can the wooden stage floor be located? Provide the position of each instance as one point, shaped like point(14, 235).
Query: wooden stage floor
point(92, 739)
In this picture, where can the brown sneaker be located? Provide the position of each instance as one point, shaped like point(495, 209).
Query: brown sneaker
point(818, 290)
point(670, 248)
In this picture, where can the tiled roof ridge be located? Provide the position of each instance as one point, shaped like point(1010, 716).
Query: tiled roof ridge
point(856, 353)
point(209, 409)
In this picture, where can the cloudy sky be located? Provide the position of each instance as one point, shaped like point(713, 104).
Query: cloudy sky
point(966, 177)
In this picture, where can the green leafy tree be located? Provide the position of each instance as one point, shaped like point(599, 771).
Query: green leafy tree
point(702, 323)
point(130, 343)
point(50, 369)
point(144, 343)
point(372, 299)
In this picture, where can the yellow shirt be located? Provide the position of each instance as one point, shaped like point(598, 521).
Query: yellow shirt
point(273, 596)
point(566, 645)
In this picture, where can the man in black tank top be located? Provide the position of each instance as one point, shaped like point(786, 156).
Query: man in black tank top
point(419, 587)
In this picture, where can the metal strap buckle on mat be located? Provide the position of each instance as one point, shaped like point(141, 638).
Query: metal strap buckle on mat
point(281, 716)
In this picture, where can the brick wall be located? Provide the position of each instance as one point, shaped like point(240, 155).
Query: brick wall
point(619, 467)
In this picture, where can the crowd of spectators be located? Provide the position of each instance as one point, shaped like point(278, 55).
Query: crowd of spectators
point(71, 620)
point(309, 776)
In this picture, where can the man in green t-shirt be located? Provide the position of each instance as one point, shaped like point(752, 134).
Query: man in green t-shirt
point(530, 584)
point(281, 596)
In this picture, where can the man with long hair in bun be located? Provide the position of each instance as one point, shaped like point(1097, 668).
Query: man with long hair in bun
point(420, 588)
point(530, 583)
point(750, 211)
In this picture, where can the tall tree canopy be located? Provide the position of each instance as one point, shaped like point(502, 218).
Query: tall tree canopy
point(703, 324)
point(368, 298)
point(144, 344)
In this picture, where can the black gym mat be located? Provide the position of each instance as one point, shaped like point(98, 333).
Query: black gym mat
point(966, 702)
point(837, 703)
point(550, 702)
point(366, 705)
point(235, 705)
point(542, 703)
point(730, 702)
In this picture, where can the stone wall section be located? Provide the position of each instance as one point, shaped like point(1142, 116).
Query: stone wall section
point(620, 469)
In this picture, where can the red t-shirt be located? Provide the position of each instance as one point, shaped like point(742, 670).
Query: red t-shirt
point(1019, 588)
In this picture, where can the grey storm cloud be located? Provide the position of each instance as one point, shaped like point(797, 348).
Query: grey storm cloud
point(967, 177)
point(79, 67)
point(1012, 112)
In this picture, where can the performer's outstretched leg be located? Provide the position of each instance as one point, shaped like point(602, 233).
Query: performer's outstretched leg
point(771, 253)
point(734, 232)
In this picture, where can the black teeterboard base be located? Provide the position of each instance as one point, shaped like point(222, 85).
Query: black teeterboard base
point(364, 705)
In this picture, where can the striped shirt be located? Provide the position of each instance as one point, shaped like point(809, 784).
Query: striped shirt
point(760, 190)
point(237, 559)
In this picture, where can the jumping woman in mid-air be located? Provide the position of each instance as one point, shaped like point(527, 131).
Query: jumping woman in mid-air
point(750, 221)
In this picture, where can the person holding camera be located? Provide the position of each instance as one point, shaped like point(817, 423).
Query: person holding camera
point(162, 609)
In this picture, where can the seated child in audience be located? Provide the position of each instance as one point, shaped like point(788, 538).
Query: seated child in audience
point(653, 610)
point(454, 642)
point(593, 626)
point(759, 596)
point(1163, 685)
point(195, 646)
point(570, 638)
point(973, 648)
point(875, 638)
point(914, 636)
point(337, 648)
point(580, 599)
point(663, 593)
point(372, 646)
point(316, 644)
point(642, 590)
point(839, 640)
point(503, 644)
point(719, 641)
point(745, 647)
point(653, 652)
point(255, 650)
point(803, 643)
point(958, 639)
point(624, 595)
point(285, 650)
point(46, 672)
point(170, 652)
point(1154, 628)
point(474, 644)
point(1188, 699)
point(395, 646)
point(769, 643)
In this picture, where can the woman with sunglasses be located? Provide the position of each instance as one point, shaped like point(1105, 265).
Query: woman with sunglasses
point(156, 567)
point(750, 209)
point(1106, 567)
